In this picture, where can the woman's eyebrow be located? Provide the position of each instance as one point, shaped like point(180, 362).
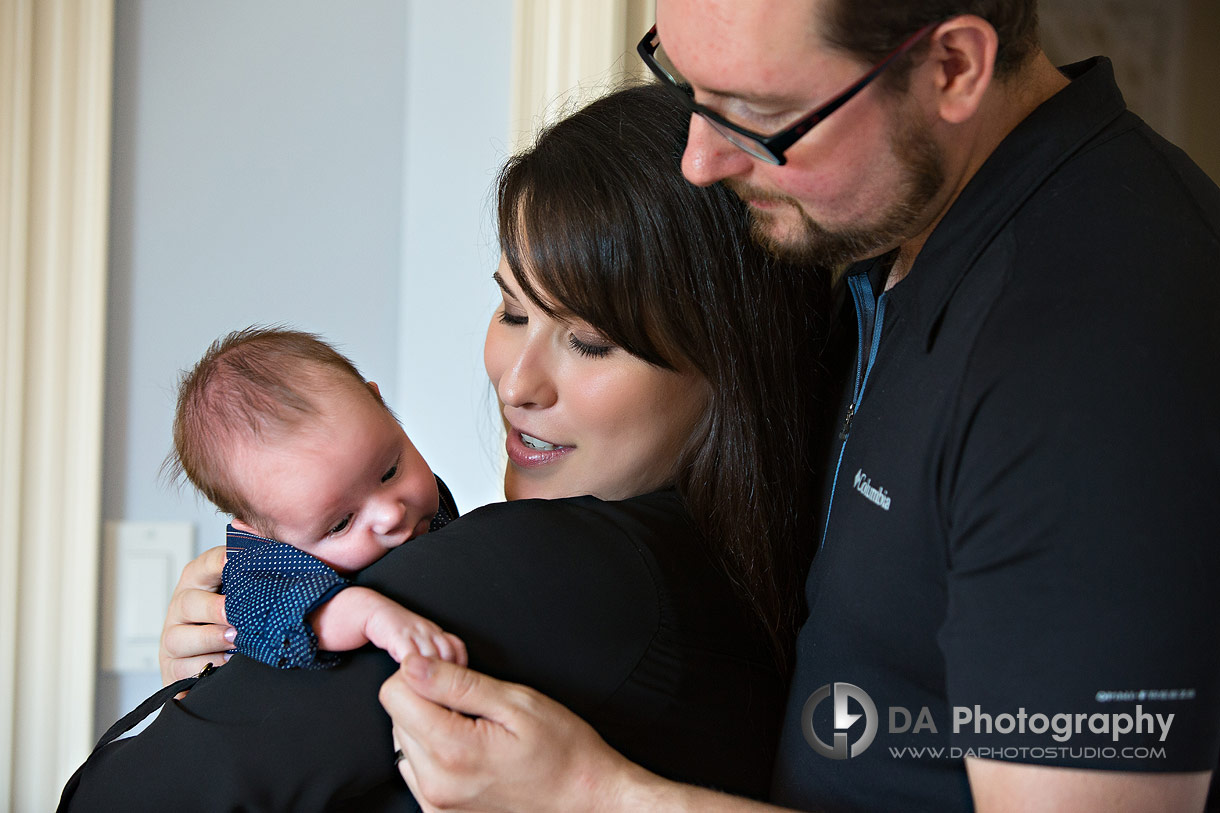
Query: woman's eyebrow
point(558, 312)
point(500, 281)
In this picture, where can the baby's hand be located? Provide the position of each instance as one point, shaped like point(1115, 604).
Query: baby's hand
point(358, 615)
point(401, 632)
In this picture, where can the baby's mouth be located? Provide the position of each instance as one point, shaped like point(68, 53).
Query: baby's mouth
point(532, 442)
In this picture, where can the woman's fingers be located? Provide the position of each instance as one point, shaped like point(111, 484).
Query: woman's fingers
point(187, 640)
point(475, 743)
point(187, 667)
point(408, 748)
point(187, 648)
point(196, 606)
point(204, 571)
point(451, 739)
point(460, 689)
point(195, 626)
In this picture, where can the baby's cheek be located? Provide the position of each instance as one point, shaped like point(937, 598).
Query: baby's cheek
point(424, 496)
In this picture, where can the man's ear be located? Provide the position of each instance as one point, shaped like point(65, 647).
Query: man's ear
point(962, 53)
point(242, 526)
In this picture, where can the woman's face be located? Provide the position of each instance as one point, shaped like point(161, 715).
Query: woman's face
point(583, 416)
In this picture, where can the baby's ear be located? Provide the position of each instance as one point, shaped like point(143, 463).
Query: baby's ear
point(376, 389)
point(242, 526)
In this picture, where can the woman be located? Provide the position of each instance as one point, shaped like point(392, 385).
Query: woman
point(644, 572)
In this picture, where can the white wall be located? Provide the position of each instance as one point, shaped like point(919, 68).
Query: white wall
point(458, 59)
point(260, 155)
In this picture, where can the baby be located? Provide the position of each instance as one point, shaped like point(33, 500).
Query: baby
point(281, 431)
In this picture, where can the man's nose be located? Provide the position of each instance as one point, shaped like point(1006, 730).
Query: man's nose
point(709, 156)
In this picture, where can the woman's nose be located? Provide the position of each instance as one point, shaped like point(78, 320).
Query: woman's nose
point(709, 156)
point(527, 380)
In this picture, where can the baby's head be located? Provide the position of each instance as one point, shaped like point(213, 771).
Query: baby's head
point(281, 431)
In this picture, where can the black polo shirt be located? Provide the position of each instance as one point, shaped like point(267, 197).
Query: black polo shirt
point(1021, 550)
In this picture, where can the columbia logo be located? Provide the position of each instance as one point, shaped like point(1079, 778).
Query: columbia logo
point(877, 496)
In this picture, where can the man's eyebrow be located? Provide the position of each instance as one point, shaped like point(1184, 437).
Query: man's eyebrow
point(762, 98)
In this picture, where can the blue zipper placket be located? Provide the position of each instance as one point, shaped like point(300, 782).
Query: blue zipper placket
point(870, 316)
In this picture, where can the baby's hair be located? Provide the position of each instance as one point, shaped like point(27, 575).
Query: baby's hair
point(251, 384)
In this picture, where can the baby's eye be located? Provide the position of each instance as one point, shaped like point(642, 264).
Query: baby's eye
point(389, 475)
point(343, 523)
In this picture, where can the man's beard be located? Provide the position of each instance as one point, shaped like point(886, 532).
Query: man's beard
point(817, 245)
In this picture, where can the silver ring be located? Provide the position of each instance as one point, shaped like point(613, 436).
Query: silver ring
point(399, 756)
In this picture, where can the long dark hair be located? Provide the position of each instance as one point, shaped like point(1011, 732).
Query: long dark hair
point(597, 219)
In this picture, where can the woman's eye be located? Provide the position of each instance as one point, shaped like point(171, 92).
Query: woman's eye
point(389, 475)
point(343, 523)
point(589, 349)
point(507, 318)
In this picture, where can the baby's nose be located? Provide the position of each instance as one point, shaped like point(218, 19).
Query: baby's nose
point(389, 518)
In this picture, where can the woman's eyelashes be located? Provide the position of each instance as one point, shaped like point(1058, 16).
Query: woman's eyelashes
point(507, 318)
point(589, 349)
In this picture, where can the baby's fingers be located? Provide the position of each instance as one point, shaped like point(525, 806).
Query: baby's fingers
point(450, 648)
point(424, 644)
point(436, 644)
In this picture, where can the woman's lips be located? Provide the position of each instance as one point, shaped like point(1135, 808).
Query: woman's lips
point(524, 454)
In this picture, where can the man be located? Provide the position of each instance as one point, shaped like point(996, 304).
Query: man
point(1013, 600)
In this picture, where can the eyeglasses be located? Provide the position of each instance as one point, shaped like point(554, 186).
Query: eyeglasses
point(769, 148)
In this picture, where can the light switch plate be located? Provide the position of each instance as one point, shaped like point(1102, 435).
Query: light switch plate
point(141, 567)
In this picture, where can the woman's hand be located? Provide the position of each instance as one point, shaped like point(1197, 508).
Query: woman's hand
point(523, 751)
point(196, 632)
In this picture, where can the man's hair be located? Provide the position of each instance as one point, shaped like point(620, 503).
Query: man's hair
point(597, 222)
point(251, 384)
point(871, 29)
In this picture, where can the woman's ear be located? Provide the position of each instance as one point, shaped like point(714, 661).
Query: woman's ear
point(963, 52)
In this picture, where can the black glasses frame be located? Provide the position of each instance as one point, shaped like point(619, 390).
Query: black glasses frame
point(769, 148)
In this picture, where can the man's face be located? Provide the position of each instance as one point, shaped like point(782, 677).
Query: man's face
point(857, 185)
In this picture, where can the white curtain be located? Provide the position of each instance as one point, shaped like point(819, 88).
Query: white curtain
point(55, 95)
point(567, 52)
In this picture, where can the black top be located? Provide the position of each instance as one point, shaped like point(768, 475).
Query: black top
point(1023, 515)
point(613, 608)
